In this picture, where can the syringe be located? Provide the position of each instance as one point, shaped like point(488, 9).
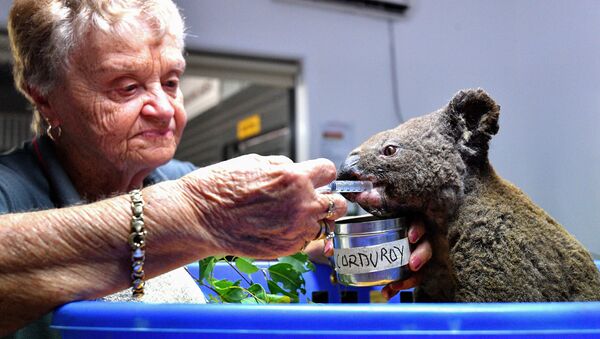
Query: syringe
point(346, 186)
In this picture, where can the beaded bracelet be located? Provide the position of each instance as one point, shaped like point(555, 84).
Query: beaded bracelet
point(137, 242)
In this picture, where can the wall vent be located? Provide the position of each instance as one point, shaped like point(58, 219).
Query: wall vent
point(380, 8)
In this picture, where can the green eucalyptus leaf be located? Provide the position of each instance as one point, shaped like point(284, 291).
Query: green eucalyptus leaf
point(245, 265)
point(278, 299)
point(299, 261)
point(276, 289)
point(250, 300)
point(234, 294)
point(285, 274)
point(310, 266)
point(207, 266)
point(214, 299)
point(223, 284)
point(258, 291)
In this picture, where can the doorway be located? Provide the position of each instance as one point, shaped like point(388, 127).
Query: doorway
point(237, 105)
point(15, 110)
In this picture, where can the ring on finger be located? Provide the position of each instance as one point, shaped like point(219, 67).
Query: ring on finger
point(330, 207)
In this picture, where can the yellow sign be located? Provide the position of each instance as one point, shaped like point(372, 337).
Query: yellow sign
point(248, 127)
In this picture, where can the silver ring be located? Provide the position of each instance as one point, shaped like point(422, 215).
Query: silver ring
point(330, 207)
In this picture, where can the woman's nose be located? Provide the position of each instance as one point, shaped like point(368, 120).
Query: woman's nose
point(158, 105)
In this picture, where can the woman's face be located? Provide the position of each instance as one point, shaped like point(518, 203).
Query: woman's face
point(121, 103)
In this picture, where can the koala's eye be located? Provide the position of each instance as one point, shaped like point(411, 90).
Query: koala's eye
point(390, 150)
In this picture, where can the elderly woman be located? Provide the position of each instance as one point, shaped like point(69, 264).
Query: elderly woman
point(95, 203)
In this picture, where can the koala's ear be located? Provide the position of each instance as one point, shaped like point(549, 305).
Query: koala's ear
point(472, 120)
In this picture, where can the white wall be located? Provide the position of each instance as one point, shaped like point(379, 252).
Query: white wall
point(4, 7)
point(539, 59)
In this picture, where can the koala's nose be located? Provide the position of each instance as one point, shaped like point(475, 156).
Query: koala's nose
point(349, 169)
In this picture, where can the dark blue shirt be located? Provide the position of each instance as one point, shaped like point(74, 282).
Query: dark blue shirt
point(32, 178)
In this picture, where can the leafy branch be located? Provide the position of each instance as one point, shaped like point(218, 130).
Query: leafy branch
point(284, 280)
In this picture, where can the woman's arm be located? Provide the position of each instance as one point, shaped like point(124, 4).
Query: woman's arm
point(261, 207)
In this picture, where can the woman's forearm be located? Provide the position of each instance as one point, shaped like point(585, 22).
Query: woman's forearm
point(48, 258)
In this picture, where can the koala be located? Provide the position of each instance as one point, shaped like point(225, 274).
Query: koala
point(490, 242)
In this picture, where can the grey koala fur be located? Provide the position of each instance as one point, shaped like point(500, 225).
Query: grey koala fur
point(490, 241)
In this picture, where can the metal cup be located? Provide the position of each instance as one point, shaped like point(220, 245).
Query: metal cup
point(370, 251)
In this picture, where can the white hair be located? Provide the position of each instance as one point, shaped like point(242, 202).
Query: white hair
point(45, 33)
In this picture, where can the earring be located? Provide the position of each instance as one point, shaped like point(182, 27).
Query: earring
point(50, 130)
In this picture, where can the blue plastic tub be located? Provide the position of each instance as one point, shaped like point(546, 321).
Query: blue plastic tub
point(87, 319)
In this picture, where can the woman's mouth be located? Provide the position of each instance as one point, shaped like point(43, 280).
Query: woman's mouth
point(157, 133)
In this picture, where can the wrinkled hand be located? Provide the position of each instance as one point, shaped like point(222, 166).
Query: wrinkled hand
point(261, 207)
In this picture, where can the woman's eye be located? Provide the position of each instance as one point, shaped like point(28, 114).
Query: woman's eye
point(390, 150)
point(129, 89)
point(172, 84)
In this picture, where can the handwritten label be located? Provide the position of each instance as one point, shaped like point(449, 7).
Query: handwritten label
point(372, 258)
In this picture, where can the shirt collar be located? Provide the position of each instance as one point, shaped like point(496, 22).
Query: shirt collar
point(64, 192)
